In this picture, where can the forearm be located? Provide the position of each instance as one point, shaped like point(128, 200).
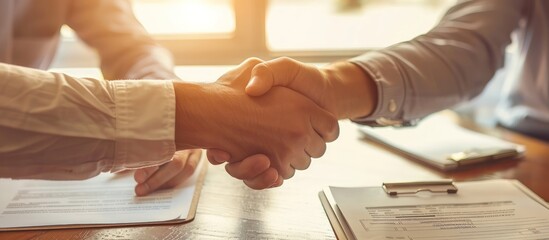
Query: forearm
point(355, 92)
point(451, 63)
point(125, 48)
point(47, 110)
point(35, 155)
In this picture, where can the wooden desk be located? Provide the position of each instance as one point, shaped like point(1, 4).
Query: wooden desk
point(228, 209)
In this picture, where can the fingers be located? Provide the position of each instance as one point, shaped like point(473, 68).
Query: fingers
point(325, 124)
point(216, 156)
point(324, 129)
point(288, 171)
point(169, 174)
point(277, 72)
point(255, 172)
point(299, 165)
point(158, 178)
point(181, 177)
point(141, 175)
point(279, 181)
point(267, 179)
point(253, 61)
point(248, 168)
point(262, 80)
point(315, 148)
point(244, 69)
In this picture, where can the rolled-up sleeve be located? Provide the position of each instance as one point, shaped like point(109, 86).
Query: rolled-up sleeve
point(451, 63)
point(54, 126)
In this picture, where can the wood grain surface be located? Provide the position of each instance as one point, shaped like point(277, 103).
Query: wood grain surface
point(229, 210)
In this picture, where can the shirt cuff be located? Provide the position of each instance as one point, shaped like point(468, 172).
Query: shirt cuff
point(390, 87)
point(145, 123)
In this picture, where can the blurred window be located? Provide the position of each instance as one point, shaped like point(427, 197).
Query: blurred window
point(172, 17)
point(228, 31)
point(296, 25)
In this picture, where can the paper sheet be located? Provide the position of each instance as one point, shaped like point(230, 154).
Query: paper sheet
point(494, 209)
point(436, 138)
point(105, 199)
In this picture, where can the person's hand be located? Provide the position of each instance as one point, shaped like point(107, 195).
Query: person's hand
point(306, 79)
point(167, 175)
point(341, 88)
point(255, 170)
point(285, 126)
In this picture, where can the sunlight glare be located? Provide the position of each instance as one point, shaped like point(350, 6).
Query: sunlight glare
point(185, 16)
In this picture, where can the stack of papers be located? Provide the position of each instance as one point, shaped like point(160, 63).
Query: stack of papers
point(105, 200)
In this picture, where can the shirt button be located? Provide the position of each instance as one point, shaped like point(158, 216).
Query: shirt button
point(392, 105)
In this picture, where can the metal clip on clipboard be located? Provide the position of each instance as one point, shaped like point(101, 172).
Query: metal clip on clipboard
point(479, 155)
point(438, 186)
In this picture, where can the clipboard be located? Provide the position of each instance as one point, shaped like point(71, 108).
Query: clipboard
point(198, 182)
point(392, 192)
point(438, 142)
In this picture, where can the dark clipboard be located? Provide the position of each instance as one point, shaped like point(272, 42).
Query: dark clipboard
point(203, 168)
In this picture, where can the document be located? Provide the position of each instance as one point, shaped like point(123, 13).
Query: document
point(441, 143)
point(107, 199)
point(493, 209)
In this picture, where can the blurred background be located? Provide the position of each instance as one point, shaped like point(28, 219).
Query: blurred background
point(202, 32)
point(225, 32)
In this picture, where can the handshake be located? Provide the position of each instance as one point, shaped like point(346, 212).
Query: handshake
point(266, 119)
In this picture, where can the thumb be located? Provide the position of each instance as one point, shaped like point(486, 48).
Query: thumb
point(277, 72)
point(262, 80)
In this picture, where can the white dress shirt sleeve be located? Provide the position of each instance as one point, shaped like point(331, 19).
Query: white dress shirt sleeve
point(451, 63)
point(54, 126)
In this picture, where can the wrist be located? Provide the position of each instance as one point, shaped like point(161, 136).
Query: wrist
point(190, 115)
point(355, 91)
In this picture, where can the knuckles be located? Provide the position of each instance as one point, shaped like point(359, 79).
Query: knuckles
point(333, 130)
point(178, 163)
point(286, 61)
point(297, 138)
point(320, 152)
point(192, 165)
point(288, 173)
point(253, 61)
point(260, 70)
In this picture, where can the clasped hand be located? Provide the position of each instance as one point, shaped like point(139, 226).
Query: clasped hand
point(264, 132)
point(292, 128)
point(264, 119)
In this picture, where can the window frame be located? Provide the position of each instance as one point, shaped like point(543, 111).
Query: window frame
point(248, 40)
